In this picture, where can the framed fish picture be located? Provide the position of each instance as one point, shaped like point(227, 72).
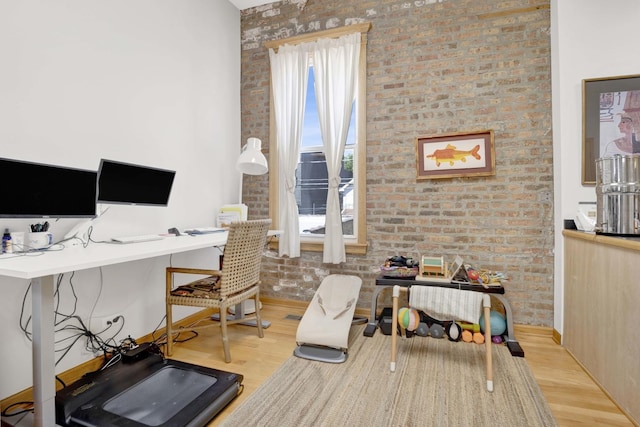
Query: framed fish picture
point(455, 155)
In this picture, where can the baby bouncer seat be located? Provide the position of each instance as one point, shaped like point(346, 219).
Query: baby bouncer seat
point(323, 332)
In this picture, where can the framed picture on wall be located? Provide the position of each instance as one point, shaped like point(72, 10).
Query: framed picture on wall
point(610, 120)
point(455, 155)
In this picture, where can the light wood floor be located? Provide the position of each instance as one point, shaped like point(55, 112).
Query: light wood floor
point(574, 398)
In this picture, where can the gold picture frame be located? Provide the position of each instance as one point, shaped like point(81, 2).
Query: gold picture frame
point(455, 155)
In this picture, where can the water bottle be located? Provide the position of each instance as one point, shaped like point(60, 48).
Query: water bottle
point(7, 247)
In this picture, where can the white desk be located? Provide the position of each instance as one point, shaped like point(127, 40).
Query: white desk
point(41, 271)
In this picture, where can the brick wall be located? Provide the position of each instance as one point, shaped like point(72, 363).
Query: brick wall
point(434, 67)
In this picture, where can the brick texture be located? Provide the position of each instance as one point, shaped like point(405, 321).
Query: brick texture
point(434, 67)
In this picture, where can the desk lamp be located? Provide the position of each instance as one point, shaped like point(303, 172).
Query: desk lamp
point(251, 162)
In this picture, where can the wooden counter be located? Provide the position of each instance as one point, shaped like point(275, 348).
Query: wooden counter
point(602, 312)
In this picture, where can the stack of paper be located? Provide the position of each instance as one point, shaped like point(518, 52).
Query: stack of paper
point(231, 213)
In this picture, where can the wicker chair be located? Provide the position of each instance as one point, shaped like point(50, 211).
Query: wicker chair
point(236, 281)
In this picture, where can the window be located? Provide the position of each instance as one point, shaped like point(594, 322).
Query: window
point(312, 182)
point(311, 173)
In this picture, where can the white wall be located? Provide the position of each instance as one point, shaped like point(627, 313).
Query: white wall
point(155, 82)
point(590, 39)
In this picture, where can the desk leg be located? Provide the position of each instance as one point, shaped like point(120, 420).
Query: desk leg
point(512, 343)
point(44, 385)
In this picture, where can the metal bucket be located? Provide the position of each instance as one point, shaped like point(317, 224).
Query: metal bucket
point(618, 195)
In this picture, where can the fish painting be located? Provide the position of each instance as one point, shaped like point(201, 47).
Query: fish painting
point(451, 155)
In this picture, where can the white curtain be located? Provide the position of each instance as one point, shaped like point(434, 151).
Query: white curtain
point(335, 63)
point(289, 77)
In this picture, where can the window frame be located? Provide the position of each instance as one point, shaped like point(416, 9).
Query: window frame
point(358, 243)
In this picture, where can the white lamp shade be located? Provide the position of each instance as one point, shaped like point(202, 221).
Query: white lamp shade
point(251, 160)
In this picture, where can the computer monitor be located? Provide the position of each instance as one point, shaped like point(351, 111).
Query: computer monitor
point(130, 184)
point(36, 190)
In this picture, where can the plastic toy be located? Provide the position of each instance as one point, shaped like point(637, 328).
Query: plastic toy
point(436, 331)
point(454, 331)
point(422, 329)
point(473, 327)
point(498, 323)
point(478, 338)
point(408, 318)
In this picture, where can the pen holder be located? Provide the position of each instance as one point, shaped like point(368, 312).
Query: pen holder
point(39, 240)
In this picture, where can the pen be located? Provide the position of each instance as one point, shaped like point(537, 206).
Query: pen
point(35, 228)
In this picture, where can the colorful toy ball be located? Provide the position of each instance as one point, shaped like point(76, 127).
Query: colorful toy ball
point(408, 318)
point(497, 339)
point(498, 323)
point(454, 331)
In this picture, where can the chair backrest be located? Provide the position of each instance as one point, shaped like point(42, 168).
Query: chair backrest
point(243, 255)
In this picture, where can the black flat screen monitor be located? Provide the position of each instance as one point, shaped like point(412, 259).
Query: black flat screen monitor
point(129, 184)
point(35, 190)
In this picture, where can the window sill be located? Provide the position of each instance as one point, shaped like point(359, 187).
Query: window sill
point(351, 248)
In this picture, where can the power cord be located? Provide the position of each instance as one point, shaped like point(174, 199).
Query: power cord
point(67, 322)
point(23, 408)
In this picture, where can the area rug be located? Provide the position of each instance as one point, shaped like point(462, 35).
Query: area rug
point(437, 383)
